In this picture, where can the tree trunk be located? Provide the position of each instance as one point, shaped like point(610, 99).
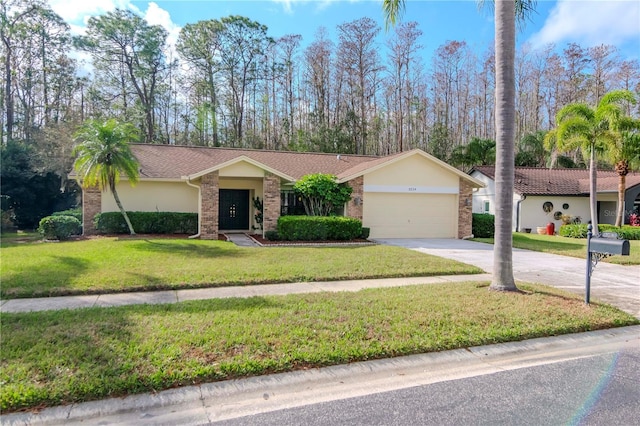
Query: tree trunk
point(505, 133)
point(7, 87)
point(622, 167)
point(593, 197)
point(122, 210)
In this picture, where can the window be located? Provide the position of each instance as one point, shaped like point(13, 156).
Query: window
point(290, 204)
point(486, 206)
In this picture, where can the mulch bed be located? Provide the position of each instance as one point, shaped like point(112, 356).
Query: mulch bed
point(260, 239)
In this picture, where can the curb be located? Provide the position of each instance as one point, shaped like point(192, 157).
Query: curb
point(242, 397)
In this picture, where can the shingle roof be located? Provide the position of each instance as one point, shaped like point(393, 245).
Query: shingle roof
point(174, 162)
point(544, 181)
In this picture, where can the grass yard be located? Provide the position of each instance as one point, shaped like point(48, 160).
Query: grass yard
point(59, 357)
point(574, 247)
point(107, 265)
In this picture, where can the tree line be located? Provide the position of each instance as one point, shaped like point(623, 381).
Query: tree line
point(228, 83)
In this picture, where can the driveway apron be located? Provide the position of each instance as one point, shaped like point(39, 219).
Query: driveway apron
point(613, 284)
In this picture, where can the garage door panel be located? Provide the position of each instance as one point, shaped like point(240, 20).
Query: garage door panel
point(391, 215)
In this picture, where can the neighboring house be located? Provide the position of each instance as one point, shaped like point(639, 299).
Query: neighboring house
point(544, 195)
point(409, 194)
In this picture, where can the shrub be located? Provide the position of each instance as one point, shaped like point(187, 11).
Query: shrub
point(77, 213)
point(59, 227)
point(365, 232)
point(321, 193)
point(626, 232)
point(148, 222)
point(634, 219)
point(573, 231)
point(272, 235)
point(482, 225)
point(312, 228)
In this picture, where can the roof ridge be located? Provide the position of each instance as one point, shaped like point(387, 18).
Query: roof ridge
point(372, 156)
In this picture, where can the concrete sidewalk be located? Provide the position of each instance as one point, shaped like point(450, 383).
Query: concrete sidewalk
point(175, 296)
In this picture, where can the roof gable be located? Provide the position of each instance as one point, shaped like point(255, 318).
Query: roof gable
point(382, 162)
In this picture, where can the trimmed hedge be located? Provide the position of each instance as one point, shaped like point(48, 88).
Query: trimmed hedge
point(272, 235)
point(147, 223)
point(483, 225)
point(573, 231)
point(77, 213)
point(59, 227)
point(626, 232)
point(313, 228)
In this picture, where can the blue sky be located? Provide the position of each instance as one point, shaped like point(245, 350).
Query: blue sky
point(586, 22)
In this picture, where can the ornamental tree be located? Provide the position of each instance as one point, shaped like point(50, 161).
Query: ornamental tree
point(322, 194)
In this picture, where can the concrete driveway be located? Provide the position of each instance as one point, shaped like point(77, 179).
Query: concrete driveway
point(613, 284)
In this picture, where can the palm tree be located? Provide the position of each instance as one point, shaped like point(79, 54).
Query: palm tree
point(593, 130)
point(478, 152)
point(505, 47)
point(625, 156)
point(103, 152)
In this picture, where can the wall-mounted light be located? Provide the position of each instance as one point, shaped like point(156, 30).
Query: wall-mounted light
point(467, 202)
point(357, 201)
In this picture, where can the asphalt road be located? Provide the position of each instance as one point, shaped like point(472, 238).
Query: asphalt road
point(594, 390)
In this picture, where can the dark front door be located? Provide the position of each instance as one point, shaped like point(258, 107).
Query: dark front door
point(234, 209)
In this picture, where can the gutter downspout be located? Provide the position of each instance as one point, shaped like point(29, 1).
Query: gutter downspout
point(522, 198)
point(188, 181)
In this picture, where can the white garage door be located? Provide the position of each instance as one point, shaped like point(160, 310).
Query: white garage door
point(391, 215)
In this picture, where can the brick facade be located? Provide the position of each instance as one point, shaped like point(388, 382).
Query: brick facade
point(464, 209)
point(210, 193)
point(354, 206)
point(91, 206)
point(271, 207)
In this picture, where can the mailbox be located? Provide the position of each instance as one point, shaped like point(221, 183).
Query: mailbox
point(609, 246)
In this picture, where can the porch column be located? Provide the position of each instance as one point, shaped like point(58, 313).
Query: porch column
point(210, 193)
point(354, 206)
point(465, 205)
point(91, 206)
point(271, 207)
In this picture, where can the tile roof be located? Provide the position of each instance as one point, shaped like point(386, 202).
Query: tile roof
point(544, 181)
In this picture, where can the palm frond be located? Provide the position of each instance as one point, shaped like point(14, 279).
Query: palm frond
point(393, 11)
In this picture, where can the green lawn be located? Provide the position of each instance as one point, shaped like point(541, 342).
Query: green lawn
point(60, 357)
point(111, 265)
point(574, 247)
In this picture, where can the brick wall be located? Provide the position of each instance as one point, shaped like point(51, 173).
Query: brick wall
point(271, 207)
point(210, 193)
point(464, 209)
point(91, 206)
point(354, 206)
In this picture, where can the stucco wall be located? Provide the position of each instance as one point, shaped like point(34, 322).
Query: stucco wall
point(153, 196)
point(241, 169)
point(532, 215)
point(488, 193)
point(415, 171)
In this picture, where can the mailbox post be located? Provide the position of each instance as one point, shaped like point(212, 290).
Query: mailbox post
point(599, 248)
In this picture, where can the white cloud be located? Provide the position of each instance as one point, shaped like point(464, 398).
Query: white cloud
point(158, 16)
point(78, 11)
point(590, 22)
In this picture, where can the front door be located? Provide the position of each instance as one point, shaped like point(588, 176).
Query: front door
point(234, 209)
